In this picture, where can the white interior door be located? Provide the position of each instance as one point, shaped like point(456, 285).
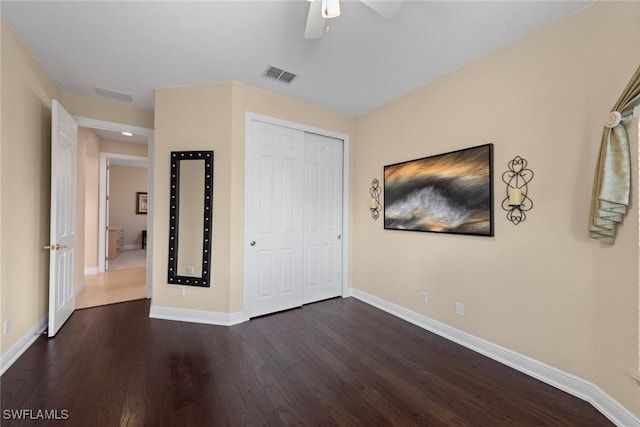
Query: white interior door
point(275, 219)
point(64, 148)
point(107, 172)
point(322, 218)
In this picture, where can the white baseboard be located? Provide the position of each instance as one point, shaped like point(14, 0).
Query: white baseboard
point(90, 271)
point(16, 350)
point(196, 316)
point(564, 381)
point(78, 287)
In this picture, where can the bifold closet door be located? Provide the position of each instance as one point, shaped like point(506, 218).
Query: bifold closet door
point(275, 229)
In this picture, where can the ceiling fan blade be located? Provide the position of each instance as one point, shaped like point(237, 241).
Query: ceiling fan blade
point(315, 21)
point(386, 8)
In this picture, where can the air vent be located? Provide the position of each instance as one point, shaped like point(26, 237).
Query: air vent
point(279, 74)
point(118, 96)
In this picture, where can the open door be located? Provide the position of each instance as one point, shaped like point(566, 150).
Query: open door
point(64, 148)
point(106, 216)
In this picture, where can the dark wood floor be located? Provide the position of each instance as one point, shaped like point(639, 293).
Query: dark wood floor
point(338, 362)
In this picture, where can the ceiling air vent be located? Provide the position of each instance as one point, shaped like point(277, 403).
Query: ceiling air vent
point(118, 96)
point(279, 74)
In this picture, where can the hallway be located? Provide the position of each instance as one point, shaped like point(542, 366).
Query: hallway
point(124, 281)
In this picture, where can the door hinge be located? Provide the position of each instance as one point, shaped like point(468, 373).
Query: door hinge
point(108, 167)
point(106, 258)
point(107, 197)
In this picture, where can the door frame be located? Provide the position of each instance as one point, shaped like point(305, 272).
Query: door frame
point(138, 130)
point(249, 119)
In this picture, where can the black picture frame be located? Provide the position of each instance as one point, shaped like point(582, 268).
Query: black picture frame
point(445, 193)
point(141, 203)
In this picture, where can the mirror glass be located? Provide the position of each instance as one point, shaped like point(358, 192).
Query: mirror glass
point(190, 217)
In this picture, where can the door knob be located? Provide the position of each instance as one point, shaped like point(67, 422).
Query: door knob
point(253, 243)
point(339, 236)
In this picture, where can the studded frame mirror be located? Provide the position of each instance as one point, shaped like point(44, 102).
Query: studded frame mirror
point(190, 218)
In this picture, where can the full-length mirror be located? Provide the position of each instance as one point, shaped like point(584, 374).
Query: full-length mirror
point(190, 218)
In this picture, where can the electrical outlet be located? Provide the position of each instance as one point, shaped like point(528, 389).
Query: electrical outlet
point(424, 297)
point(190, 269)
point(6, 326)
point(460, 309)
point(181, 291)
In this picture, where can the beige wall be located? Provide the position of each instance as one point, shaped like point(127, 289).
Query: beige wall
point(193, 118)
point(25, 150)
point(27, 92)
point(118, 147)
point(541, 288)
point(616, 301)
point(124, 183)
point(212, 117)
point(82, 106)
point(91, 142)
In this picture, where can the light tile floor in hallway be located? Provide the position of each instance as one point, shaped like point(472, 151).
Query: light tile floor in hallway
point(129, 258)
point(113, 286)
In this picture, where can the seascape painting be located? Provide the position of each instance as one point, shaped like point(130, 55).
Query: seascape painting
point(446, 193)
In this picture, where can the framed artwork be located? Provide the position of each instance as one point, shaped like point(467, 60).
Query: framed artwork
point(445, 193)
point(141, 203)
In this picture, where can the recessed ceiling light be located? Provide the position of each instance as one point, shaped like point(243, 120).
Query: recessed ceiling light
point(126, 133)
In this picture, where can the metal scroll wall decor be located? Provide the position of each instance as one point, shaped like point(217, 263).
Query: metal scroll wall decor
point(374, 203)
point(517, 202)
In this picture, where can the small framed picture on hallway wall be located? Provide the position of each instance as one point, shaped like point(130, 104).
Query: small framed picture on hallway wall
point(141, 203)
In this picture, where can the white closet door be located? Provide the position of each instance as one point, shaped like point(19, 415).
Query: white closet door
point(322, 218)
point(275, 218)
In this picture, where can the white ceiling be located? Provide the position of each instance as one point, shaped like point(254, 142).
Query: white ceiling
point(363, 61)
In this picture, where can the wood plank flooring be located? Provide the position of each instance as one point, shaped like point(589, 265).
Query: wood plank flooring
point(338, 362)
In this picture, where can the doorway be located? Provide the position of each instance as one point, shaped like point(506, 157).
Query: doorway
point(126, 158)
point(121, 273)
point(295, 215)
point(123, 207)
